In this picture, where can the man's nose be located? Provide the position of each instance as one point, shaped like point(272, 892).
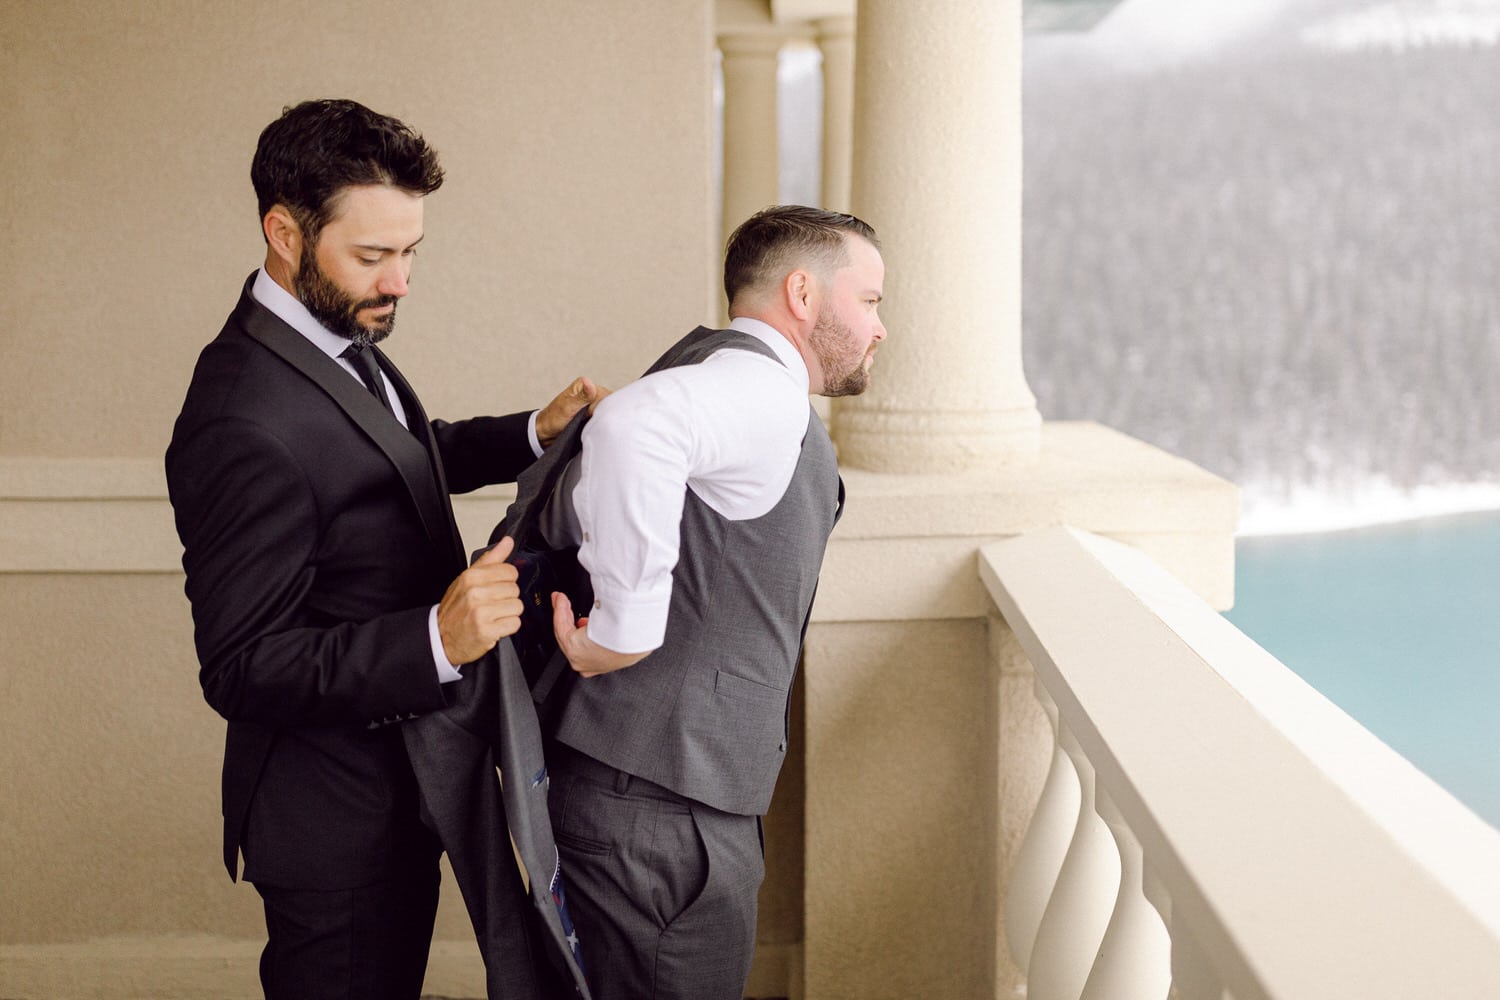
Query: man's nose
point(393, 279)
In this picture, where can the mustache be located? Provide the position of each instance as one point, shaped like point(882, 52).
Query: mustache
point(376, 303)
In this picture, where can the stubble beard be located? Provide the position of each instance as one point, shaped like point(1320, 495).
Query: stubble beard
point(844, 371)
point(336, 310)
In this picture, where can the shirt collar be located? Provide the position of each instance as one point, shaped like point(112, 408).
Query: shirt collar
point(776, 341)
point(294, 314)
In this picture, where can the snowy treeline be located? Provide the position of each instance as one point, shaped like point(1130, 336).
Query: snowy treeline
point(1283, 265)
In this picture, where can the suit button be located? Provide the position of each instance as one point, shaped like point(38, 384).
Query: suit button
point(782, 747)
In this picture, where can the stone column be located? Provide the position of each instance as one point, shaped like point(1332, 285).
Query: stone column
point(836, 40)
point(751, 163)
point(937, 122)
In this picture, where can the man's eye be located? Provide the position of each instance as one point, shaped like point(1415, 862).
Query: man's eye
point(369, 261)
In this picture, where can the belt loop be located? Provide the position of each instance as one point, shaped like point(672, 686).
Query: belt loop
point(622, 782)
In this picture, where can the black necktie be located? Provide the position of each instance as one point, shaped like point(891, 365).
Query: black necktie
point(369, 373)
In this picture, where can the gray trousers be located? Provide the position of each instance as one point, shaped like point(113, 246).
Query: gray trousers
point(662, 889)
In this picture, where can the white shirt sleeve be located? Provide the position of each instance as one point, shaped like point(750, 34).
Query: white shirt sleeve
point(447, 672)
point(729, 429)
point(536, 442)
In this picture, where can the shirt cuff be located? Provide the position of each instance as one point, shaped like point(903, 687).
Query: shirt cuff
point(447, 673)
point(623, 622)
point(536, 442)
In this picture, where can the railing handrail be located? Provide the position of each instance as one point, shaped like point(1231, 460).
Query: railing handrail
point(1308, 859)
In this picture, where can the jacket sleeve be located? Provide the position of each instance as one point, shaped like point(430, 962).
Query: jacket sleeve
point(248, 519)
point(483, 450)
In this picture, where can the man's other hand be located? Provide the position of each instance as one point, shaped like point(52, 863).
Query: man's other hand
point(481, 607)
point(585, 655)
point(553, 417)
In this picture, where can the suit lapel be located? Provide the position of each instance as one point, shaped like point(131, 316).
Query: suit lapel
point(417, 465)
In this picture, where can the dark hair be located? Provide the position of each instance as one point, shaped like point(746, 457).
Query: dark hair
point(775, 240)
point(307, 157)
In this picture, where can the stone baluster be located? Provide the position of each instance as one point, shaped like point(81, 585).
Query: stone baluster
point(1135, 958)
point(1193, 975)
point(1156, 893)
point(1040, 858)
point(1073, 926)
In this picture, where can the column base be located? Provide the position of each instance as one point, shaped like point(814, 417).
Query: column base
point(933, 441)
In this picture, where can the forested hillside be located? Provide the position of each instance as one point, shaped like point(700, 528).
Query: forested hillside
point(1282, 263)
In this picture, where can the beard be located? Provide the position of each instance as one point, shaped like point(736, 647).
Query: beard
point(839, 354)
point(338, 311)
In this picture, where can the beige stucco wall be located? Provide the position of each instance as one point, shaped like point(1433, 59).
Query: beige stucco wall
point(578, 195)
point(929, 800)
point(575, 234)
point(109, 762)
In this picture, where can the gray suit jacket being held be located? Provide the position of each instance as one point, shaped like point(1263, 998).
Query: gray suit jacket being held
point(490, 722)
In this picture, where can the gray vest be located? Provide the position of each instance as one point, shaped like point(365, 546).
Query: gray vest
point(706, 714)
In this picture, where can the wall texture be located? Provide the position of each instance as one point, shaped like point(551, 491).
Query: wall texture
point(578, 197)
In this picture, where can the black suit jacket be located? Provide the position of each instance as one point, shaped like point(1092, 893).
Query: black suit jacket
point(317, 533)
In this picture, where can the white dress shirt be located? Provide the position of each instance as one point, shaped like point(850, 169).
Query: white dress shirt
point(729, 428)
point(290, 310)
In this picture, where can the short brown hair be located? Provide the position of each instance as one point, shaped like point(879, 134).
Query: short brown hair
point(781, 237)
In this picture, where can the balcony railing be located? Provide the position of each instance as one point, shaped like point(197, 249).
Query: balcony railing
point(1213, 828)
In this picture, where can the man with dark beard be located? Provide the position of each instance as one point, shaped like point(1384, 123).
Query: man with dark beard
point(702, 502)
point(328, 581)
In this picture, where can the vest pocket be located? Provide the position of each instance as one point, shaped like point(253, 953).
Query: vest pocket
point(743, 689)
point(749, 721)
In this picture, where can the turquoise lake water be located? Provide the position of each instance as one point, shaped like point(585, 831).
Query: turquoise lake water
point(1397, 625)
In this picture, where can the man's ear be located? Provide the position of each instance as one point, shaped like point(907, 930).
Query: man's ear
point(799, 290)
point(283, 236)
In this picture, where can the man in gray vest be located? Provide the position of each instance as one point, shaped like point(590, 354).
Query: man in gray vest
point(702, 503)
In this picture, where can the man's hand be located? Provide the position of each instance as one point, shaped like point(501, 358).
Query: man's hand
point(553, 417)
point(587, 657)
point(481, 607)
